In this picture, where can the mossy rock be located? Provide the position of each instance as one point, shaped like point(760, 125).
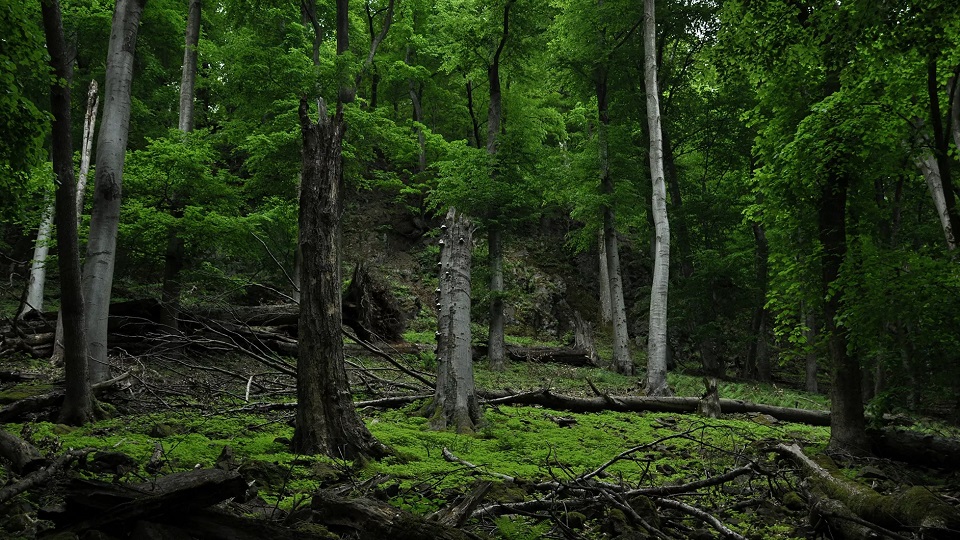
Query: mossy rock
point(162, 431)
point(506, 492)
point(794, 501)
point(264, 473)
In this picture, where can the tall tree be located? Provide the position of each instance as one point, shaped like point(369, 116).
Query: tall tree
point(657, 339)
point(111, 152)
point(78, 402)
point(174, 256)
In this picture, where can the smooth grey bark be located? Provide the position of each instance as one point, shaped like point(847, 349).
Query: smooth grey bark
point(77, 406)
point(928, 166)
point(606, 309)
point(496, 349)
point(89, 123)
point(622, 362)
point(657, 339)
point(111, 151)
point(326, 419)
point(38, 265)
point(455, 401)
point(188, 78)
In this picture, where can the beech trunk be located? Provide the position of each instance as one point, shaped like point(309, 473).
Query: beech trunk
point(455, 401)
point(657, 339)
point(622, 362)
point(111, 152)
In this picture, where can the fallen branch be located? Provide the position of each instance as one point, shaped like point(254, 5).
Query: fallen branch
point(915, 507)
point(41, 476)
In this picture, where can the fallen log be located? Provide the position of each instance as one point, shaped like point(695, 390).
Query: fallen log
point(23, 456)
point(916, 507)
point(368, 519)
point(95, 505)
point(916, 448)
point(42, 475)
point(211, 524)
point(554, 355)
point(546, 398)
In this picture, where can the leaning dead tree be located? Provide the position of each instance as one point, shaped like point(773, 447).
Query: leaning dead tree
point(455, 402)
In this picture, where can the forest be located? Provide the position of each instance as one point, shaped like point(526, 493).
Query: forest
point(466, 269)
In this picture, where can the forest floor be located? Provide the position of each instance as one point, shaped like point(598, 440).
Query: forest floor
point(551, 473)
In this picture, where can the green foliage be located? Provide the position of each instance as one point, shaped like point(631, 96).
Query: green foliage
point(24, 83)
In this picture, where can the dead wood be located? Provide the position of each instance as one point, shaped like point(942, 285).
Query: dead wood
point(23, 456)
point(368, 519)
point(42, 475)
point(547, 398)
point(13, 412)
point(458, 514)
point(916, 507)
point(921, 449)
point(94, 505)
point(371, 309)
point(555, 355)
point(212, 524)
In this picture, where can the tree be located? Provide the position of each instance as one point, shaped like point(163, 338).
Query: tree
point(111, 152)
point(455, 401)
point(326, 420)
point(173, 260)
point(77, 407)
point(657, 338)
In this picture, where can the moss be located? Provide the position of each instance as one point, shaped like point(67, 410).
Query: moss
point(793, 501)
point(24, 391)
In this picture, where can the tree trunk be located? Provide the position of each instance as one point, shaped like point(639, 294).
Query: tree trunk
point(495, 343)
point(174, 254)
point(326, 420)
point(89, 123)
point(188, 78)
point(495, 349)
point(810, 334)
point(455, 401)
point(606, 309)
point(941, 144)
point(848, 430)
point(622, 362)
point(931, 174)
point(38, 265)
point(77, 407)
point(657, 340)
point(111, 151)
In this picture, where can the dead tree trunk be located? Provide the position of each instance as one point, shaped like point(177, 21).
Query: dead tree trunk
point(326, 420)
point(455, 402)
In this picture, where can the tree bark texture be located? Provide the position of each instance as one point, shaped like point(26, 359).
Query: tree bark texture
point(455, 401)
point(111, 151)
point(606, 310)
point(927, 164)
point(916, 507)
point(657, 339)
point(188, 78)
point(78, 401)
point(622, 362)
point(495, 337)
point(326, 420)
point(848, 431)
point(89, 123)
point(38, 265)
point(495, 344)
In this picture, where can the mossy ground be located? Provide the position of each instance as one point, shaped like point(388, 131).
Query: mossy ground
point(522, 442)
